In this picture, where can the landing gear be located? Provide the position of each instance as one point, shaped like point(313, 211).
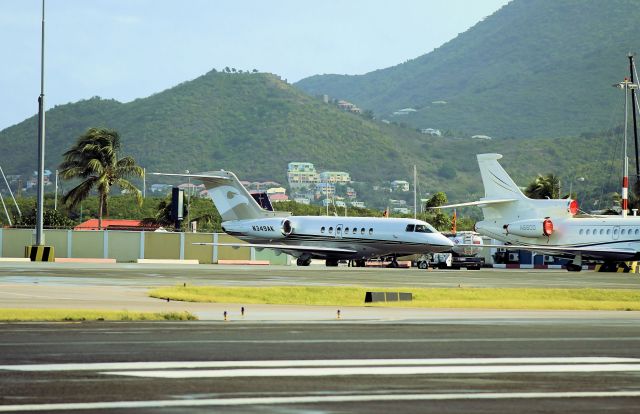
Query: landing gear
point(331, 262)
point(573, 267)
point(394, 263)
point(423, 264)
point(303, 262)
point(576, 264)
point(357, 262)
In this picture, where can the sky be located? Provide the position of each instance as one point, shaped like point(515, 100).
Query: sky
point(128, 49)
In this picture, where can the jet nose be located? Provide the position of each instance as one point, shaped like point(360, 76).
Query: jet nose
point(442, 243)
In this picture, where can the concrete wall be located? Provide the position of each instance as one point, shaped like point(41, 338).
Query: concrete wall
point(128, 246)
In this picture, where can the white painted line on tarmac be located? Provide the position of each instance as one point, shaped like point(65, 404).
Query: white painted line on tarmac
point(156, 365)
point(319, 399)
point(403, 370)
point(327, 341)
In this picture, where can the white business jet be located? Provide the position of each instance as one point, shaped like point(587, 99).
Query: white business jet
point(314, 237)
point(550, 226)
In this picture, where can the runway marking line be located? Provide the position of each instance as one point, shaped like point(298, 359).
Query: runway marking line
point(160, 365)
point(314, 399)
point(378, 370)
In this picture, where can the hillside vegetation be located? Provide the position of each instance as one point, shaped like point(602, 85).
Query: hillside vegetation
point(533, 68)
point(255, 123)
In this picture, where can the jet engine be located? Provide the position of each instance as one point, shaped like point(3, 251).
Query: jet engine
point(530, 228)
point(286, 227)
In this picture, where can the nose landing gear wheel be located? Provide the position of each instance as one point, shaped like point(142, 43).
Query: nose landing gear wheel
point(303, 262)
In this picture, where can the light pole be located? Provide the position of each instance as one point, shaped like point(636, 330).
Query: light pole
point(581, 179)
point(41, 136)
point(188, 200)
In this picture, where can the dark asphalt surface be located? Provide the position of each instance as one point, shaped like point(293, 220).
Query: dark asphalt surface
point(55, 343)
point(125, 274)
point(363, 334)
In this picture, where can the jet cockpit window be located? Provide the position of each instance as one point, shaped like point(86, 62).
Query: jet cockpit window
point(410, 227)
point(424, 228)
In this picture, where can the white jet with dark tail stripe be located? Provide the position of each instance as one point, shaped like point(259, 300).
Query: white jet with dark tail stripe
point(314, 237)
point(550, 226)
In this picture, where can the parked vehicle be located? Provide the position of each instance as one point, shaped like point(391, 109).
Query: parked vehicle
point(464, 253)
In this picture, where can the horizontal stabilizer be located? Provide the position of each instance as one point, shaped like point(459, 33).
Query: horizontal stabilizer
point(479, 203)
point(199, 176)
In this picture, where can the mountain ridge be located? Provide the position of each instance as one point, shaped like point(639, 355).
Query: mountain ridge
point(533, 68)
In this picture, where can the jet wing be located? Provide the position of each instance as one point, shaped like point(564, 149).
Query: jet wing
point(285, 247)
point(479, 203)
point(593, 252)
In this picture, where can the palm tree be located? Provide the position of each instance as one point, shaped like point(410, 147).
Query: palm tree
point(547, 186)
point(94, 159)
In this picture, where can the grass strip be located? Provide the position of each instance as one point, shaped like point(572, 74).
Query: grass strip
point(59, 315)
point(486, 298)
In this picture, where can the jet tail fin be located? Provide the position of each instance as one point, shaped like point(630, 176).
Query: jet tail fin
point(496, 181)
point(232, 200)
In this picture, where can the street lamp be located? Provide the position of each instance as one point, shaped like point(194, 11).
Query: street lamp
point(188, 200)
point(581, 179)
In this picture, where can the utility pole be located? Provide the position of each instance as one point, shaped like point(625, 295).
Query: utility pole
point(41, 140)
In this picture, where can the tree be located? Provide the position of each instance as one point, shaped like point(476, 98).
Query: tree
point(436, 216)
point(94, 159)
point(51, 218)
point(547, 186)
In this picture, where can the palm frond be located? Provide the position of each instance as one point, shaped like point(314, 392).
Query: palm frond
point(77, 194)
point(131, 189)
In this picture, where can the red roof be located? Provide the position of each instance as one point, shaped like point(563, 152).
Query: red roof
point(114, 224)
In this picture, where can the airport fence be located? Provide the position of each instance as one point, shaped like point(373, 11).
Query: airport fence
point(129, 246)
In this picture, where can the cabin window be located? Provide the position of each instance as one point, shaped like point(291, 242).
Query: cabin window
point(322, 229)
point(601, 231)
point(410, 227)
point(629, 232)
point(355, 230)
point(581, 231)
point(608, 231)
point(421, 228)
point(330, 230)
point(588, 231)
point(362, 231)
point(615, 232)
point(622, 232)
point(370, 231)
point(346, 229)
point(637, 232)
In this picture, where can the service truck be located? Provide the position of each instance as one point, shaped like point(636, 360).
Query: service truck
point(467, 245)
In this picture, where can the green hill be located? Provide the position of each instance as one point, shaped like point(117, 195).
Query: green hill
point(533, 68)
point(255, 123)
point(251, 123)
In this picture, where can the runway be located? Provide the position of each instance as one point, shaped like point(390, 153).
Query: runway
point(297, 359)
point(371, 367)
